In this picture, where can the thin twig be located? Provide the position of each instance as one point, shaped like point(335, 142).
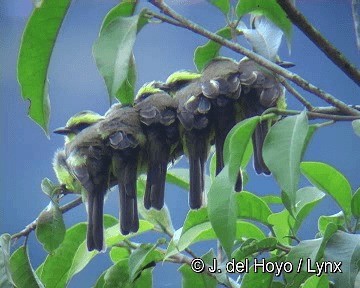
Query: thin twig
point(257, 58)
point(320, 41)
point(312, 115)
point(32, 226)
point(296, 94)
point(150, 14)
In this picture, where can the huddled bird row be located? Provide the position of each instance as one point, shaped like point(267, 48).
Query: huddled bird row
point(185, 115)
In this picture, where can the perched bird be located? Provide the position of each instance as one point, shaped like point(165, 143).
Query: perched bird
point(88, 160)
point(220, 83)
point(260, 90)
point(74, 125)
point(121, 133)
point(157, 111)
point(196, 131)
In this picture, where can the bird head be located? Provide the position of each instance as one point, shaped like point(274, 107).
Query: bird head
point(77, 123)
point(178, 80)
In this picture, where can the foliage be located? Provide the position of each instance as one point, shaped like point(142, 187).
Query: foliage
point(246, 225)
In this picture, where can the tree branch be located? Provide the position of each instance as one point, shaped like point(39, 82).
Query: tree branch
point(257, 58)
point(32, 226)
point(320, 41)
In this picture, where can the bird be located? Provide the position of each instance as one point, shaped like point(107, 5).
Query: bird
point(261, 90)
point(74, 126)
point(121, 132)
point(157, 111)
point(196, 132)
point(88, 160)
point(220, 83)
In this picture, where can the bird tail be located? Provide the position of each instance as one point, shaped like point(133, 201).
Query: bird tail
point(95, 230)
point(159, 153)
point(258, 141)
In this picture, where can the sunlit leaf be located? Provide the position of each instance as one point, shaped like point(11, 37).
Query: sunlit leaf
point(205, 53)
point(282, 225)
point(267, 244)
point(355, 204)
point(36, 47)
point(337, 219)
point(178, 177)
point(317, 282)
point(21, 270)
point(118, 253)
point(331, 181)
point(282, 152)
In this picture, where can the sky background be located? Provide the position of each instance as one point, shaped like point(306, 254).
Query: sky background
point(160, 49)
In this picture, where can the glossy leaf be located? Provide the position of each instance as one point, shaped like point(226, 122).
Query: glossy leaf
point(252, 207)
point(355, 204)
point(118, 253)
point(71, 256)
point(222, 210)
point(317, 282)
point(205, 53)
point(49, 188)
point(141, 258)
point(337, 219)
point(345, 248)
point(268, 8)
point(282, 225)
point(21, 270)
point(271, 199)
point(123, 9)
point(282, 152)
point(36, 47)
point(113, 55)
point(236, 146)
point(5, 274)
point(50, 229)
point(331, 181)
point(305, 200)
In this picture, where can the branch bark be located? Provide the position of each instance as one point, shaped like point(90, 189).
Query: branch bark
point(320, 41)
point(257, 58)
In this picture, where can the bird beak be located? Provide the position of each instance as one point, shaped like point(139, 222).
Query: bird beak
point(62, 131)
point(285, 64)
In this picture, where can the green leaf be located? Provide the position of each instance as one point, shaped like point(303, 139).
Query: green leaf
point(178, 177)
point(117, 276)
point(161, 219)
point(337, 219)
point(205, 53)
point(223, 5)
point(71, 256)
point(282, 152)
point(305, 200)
point(317, 282)
point(268, 8)
point(305, 256)
point(21, 270)
point(113, 55)
point(50, 229)
point(344, 248)
point(267, 244)
point(36, 47)
point(118, 253)
point(271, 199)
point(331, 181)
point(191, 279)
point(356, 126)
point(236, 146)
point(5, 274)
point(141, 258)
point(252, 207)
point(355, 204)
point(282, 225)
point(49, 188)
point(222, 210)
point(258, 279)
point(123, 9)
